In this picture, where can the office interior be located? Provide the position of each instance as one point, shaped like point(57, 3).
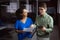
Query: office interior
point(8, 17)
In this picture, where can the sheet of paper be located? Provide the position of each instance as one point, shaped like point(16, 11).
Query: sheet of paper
point(28, 29)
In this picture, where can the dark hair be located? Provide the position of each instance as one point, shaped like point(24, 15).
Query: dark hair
point(19, 13)
point(42, 5)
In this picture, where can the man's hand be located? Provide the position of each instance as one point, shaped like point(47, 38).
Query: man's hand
point(43, 29)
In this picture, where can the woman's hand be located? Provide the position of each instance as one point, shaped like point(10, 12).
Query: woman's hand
point(20, 31)
point(33, 26)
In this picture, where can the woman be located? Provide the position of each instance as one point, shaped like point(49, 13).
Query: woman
point(23, 22)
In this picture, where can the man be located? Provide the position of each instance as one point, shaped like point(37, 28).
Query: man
point(44, 23)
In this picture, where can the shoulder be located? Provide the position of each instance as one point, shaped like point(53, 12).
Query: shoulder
point(29, 18)
point(50, 17)
point(17, 21)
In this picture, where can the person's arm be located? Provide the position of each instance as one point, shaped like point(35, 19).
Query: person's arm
point(50, 26)
point(17, 28)
point(19, 31)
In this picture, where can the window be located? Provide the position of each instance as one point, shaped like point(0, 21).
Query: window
point(12, 7)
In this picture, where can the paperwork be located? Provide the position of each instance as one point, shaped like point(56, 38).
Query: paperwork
point(30, 29)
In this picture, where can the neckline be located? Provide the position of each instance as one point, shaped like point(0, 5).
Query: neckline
point(25, 21)
point(43, 15)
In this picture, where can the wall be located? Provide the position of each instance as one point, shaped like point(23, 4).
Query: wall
point(58, 11)
point(58, 6)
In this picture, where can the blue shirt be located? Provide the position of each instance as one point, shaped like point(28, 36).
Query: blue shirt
point(19, 25)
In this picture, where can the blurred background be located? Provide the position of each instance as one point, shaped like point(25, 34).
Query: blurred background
point(8, 17)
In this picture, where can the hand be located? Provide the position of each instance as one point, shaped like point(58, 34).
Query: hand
point(43, 29)
point(22, 31)
point(19, 31)
point(32, 26)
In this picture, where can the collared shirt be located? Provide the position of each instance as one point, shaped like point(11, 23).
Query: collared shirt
point(46, 21)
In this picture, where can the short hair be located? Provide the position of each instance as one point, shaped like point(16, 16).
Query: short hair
point(42, 5)
point(19, 13)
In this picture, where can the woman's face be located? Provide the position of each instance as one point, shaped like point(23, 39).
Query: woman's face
point(25, 12)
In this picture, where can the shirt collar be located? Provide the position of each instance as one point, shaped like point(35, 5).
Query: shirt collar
point(44, 15)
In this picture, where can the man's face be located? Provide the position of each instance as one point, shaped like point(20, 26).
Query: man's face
point(42, 10)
